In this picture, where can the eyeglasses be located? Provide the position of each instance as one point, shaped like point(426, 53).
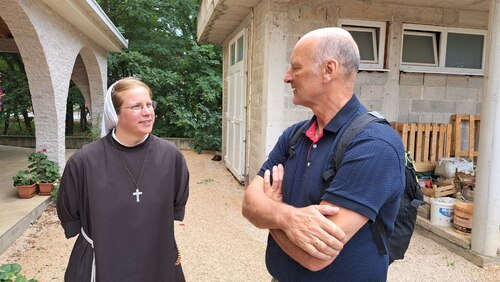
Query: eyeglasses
point(140, 108)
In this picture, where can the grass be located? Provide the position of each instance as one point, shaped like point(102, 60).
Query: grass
point(206, 181)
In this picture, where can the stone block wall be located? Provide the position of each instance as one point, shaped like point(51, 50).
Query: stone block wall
point(422, 97)
point(434, 98)
point(414, 97)
point(257, 121)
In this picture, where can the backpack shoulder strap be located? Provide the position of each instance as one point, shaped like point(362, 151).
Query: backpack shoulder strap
point(353, 129)
point(291, 146)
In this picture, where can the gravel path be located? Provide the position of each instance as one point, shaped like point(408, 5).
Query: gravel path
point(218, 244)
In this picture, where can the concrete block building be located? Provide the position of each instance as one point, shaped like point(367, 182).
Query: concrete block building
point(421, 61)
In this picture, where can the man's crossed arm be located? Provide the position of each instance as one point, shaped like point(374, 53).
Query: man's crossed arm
point(312, 235)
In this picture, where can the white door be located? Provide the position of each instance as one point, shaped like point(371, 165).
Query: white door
point(236, 108)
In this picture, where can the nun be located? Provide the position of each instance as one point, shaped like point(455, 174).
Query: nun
point(121, 194)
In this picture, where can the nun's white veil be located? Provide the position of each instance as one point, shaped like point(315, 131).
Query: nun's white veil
point(109, 116)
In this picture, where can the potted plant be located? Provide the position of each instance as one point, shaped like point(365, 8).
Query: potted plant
point(46, 170)
point(26, 183)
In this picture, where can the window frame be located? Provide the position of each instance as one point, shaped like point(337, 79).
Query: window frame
point(433, 36)
point(378, 48)
point(442, 43)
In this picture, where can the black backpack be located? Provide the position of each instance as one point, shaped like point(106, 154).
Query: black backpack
point(398, 242)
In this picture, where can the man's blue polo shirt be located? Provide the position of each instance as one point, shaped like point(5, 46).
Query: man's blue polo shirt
point(370, 181)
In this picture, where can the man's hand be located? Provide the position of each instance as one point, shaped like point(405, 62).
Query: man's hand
point(307, 227)
point(274, 190)
point(310, 230)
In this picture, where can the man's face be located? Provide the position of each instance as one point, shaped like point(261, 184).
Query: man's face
point(304, 79)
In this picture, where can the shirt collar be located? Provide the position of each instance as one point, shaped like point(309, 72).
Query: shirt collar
point(311, 132)
point(347, 113)
point(116, 139)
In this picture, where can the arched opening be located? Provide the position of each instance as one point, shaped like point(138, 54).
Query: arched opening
point(78, 102)
point(16, 109)
point(77, 113)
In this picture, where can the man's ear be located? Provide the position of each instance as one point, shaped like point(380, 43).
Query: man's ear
point(331, 69)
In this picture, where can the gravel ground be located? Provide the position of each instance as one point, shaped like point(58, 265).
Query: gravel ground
point(218, 244)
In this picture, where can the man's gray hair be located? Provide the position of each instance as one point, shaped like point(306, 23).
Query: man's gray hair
point(331, 45)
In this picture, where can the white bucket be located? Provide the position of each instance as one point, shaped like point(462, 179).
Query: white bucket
point(442, 210)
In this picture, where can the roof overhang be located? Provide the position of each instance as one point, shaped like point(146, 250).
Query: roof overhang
point(90, 19)
point(218, 18)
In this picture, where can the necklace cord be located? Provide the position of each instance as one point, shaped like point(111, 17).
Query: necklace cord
point(128, 170)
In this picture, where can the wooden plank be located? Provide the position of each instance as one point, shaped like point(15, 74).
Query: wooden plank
point(426, 134)
point(477, 128)
point(477, 131)
point(441, 145)
point(425, 167)
point(397, 126)
point(418, 154)
point(457, 135)
point(449, 138)
point(411, 141)
point(444, 190)
point(404, 135)
point(471, 137)
point(438, 191)
point(434, 144)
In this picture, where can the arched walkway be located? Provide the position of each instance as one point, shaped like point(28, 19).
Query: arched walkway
point(58, 42)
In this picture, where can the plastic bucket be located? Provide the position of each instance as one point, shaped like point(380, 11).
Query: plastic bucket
point(462, 218)
point(442, 210)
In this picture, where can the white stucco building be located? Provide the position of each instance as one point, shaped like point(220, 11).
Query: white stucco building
point(59, 41)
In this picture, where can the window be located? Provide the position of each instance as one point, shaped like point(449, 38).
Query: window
point(420, 48)
point(237, 51)
point(464, 51)
point(442, 50)
point(232, 54)
point(240, 49)
point(370, 37)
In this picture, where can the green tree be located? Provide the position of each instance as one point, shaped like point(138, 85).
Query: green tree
point(75, 98)
point(185, 76)
point(16, 101)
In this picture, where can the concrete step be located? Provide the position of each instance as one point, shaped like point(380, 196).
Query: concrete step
point(455, 242)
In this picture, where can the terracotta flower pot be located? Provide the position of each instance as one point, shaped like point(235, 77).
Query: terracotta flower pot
point(45, 188)
point(27, 191)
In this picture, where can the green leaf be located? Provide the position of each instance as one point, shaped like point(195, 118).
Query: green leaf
point(8, 272)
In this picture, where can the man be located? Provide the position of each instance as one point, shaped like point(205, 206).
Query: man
point(321, 231)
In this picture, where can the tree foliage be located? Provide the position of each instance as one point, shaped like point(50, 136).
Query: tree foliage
point(16, 98)
point(184, 75)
